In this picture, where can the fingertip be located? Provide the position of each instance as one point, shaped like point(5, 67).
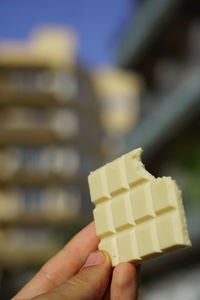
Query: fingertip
point(92, 280)
point(124, 274)
point(97, 258)
point(124, 282)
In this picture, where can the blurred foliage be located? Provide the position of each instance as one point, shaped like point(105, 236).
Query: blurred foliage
point(184, 163)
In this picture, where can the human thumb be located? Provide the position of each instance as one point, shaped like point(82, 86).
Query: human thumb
point(89, 284)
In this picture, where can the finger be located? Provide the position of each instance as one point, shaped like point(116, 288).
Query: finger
point(124, 282)
point(90, 283)
point(63, 265)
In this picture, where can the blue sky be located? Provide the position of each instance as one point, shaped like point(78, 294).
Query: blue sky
point(98, 24)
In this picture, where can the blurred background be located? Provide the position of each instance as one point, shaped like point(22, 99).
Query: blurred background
point(80, 84)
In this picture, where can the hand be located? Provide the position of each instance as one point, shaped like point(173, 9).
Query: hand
point(80, 272)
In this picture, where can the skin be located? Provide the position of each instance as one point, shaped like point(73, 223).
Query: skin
point(80, 272)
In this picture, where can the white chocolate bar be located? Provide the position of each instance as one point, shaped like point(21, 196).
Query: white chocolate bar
point(137, 216)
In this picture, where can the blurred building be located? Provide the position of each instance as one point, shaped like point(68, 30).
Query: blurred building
point(47, 108)
point(118, 92)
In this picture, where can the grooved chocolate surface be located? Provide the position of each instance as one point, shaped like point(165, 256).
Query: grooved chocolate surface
point(137, 216)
